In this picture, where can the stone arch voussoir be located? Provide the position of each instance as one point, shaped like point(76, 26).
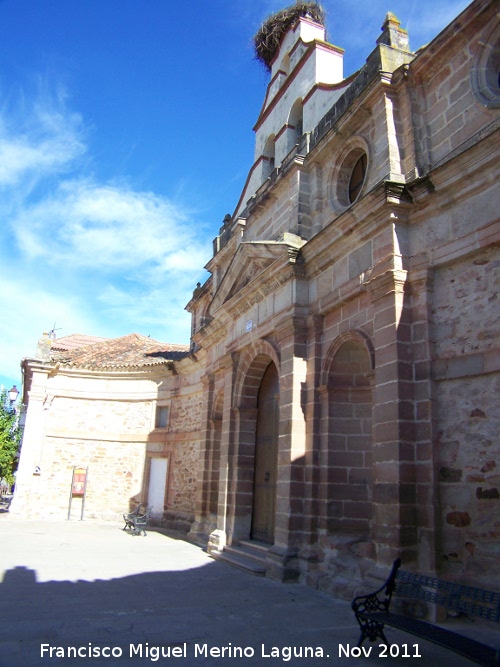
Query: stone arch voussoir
point(353, 335)
point(251, 368)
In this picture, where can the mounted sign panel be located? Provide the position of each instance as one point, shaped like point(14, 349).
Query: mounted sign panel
point(78, 488)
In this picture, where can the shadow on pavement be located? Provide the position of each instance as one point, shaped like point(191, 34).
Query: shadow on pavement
point(209, 614)
point(152, 617)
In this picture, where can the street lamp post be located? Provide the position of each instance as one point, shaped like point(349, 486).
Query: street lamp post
point(13, 394)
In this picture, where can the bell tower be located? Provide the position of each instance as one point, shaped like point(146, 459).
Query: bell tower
point(303, 69)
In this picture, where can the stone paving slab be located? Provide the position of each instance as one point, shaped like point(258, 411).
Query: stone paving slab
point(73, 590)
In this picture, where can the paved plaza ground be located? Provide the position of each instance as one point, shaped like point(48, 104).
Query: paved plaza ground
point(79, 587)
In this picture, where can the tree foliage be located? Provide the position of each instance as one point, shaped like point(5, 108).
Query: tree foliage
point(10, 439)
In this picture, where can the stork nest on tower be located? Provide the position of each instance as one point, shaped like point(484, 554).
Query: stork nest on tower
point(268, 39)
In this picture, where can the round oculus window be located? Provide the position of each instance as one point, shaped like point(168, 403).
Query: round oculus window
point(485, 74)
point(348, 177)
point(357, 179)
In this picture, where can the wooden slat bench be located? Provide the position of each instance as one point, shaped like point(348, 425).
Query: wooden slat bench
point(372, 612)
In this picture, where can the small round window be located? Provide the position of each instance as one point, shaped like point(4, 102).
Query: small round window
point(357, 178)
point(349, 175)
point(485, 74)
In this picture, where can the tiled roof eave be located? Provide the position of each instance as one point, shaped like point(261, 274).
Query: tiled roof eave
point(114, 367)
point(132, 352)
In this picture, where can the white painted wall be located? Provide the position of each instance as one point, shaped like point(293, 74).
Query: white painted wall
point(157, 485)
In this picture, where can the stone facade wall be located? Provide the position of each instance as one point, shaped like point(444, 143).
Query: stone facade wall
point(468, 415)
point(465, 311)
point(186, 412)
point(94, 416)
point(183, 487)
point(466, 332)
point(107, 425)
point(115, 476)
point(450, 111)
point(182, 443)
point(355, 314)
point(383, 330)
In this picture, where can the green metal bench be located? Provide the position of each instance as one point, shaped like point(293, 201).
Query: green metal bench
point(130, 517)
point(372, 612)
point(140, 522)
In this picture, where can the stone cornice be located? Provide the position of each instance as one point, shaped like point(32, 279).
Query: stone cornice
point(143, 437)
point(106, 373)
point(389, 282)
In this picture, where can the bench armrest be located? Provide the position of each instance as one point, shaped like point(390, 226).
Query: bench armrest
point(378, 601)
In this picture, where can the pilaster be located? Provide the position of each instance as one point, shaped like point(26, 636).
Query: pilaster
point(313, 421)
point(426, 459)
point(292, 453)
point(203, 523)
point(394, 489)
point(31, 478)
point(225, 504)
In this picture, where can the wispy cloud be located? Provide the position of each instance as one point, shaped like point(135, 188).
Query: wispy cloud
point(103, 258)
point(103, 227)
point(37, 141)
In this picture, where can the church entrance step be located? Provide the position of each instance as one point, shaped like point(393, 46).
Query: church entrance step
point(249, 556)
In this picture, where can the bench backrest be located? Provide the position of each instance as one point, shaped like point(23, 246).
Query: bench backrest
point(144, 518)
point(466, 599)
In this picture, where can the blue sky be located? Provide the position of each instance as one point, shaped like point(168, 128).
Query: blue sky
point(125, 137)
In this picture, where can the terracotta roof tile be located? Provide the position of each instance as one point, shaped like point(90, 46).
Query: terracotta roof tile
point(131, 351)
point(74, 341)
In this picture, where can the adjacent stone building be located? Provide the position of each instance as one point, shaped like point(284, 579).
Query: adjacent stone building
point(123, 411)
point(339, 399)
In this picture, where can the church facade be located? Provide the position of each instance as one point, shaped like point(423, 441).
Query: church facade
point(350, 324)
point(338, 404)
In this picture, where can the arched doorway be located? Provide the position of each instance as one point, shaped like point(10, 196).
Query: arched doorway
point(266, 457)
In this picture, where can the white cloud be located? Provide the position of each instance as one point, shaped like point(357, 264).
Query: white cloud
point(102, 227)
point(193, 256)
point(95, 257)
point(38, 144)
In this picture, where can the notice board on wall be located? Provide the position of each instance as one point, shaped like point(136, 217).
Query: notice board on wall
point(78, 488)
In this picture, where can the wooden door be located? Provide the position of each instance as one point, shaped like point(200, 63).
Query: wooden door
point(266, 457)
